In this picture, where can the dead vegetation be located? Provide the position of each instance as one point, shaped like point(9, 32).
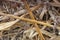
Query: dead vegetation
point(29, 19)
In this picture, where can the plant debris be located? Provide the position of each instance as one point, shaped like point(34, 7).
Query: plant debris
point(29, 19)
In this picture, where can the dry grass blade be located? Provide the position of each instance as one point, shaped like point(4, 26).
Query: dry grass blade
point(56, 1)
point(56, 38)
point(24, 11)
point(7, 25)
point(33, 34)
point(25, 19)
point(43, 12)
point(32, 17)
point(36, 7)
point(29, 20)
point(55, 4)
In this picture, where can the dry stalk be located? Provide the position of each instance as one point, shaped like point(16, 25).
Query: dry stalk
point(28, 20)
point(25, 19)
point(32, 17)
